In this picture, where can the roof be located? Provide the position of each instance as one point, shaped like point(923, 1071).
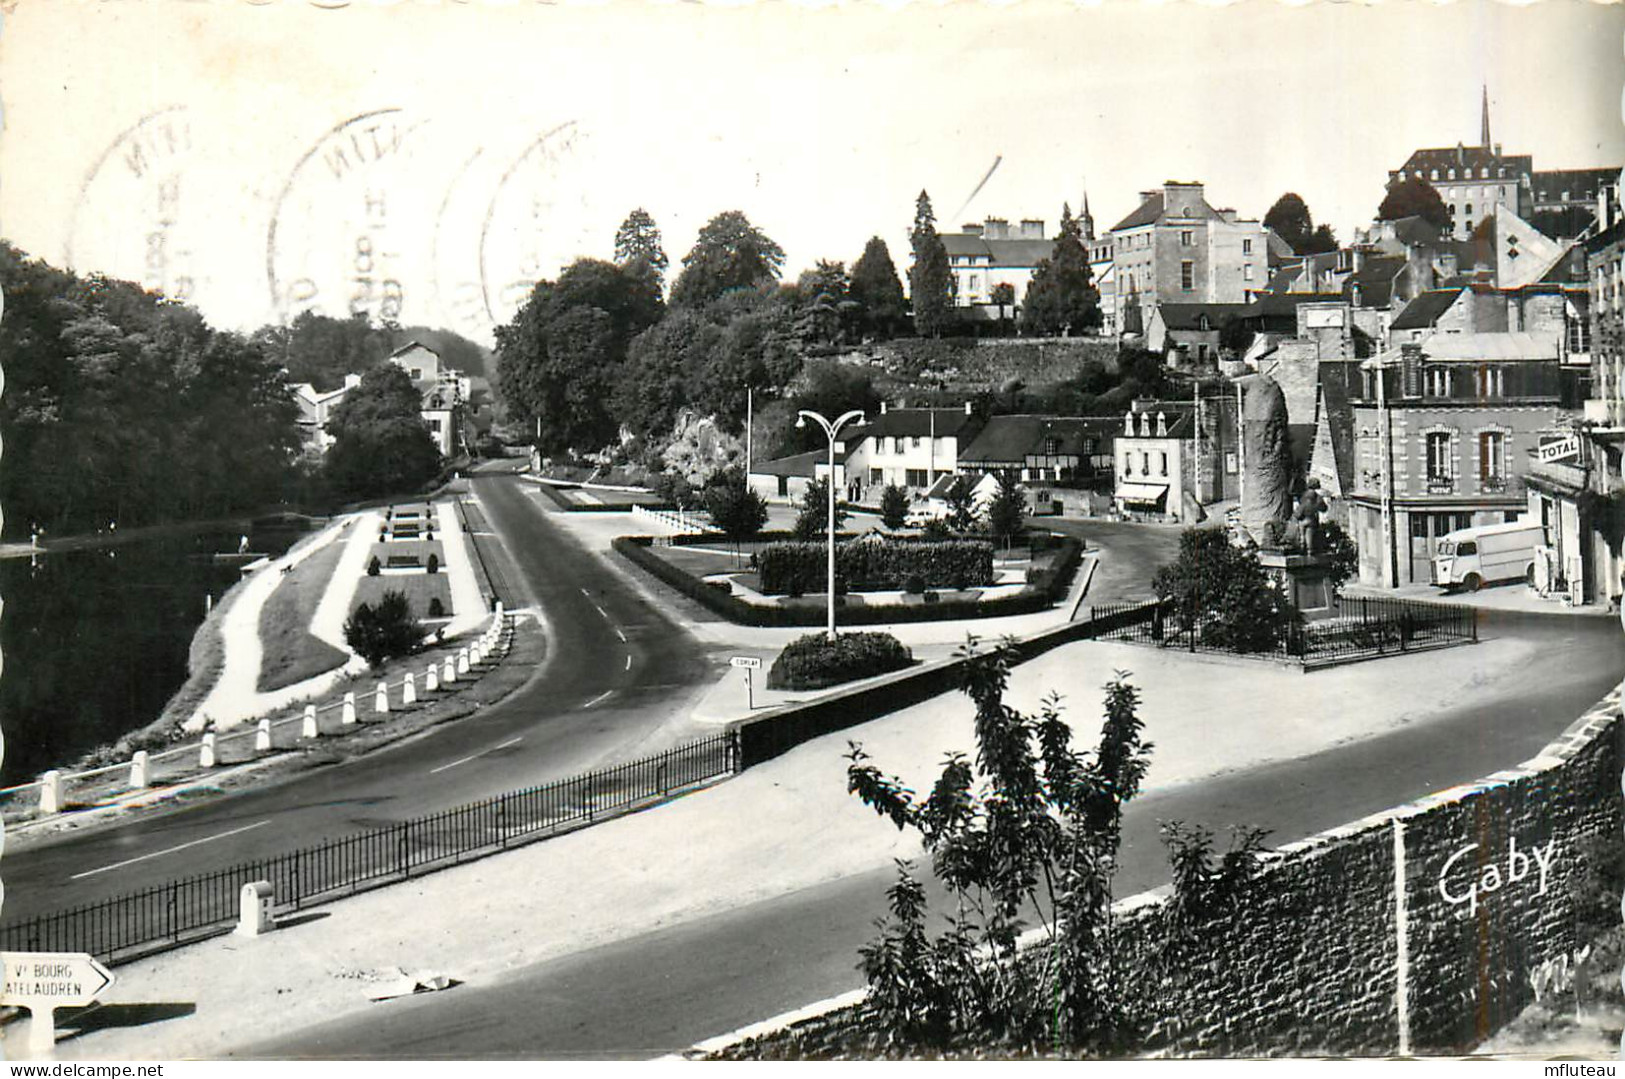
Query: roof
point(1375, 280)
point(1151, 211)
point(942, 422)
point(1475, 157)
point(1415, 230)
point(1580, 184)
point(1517, 345)
point(1181, 422)
point(1426, 309)
point(1285, 304)
point(1188, 316)
point(409, 346)
point(1010, 439)
point(799, 465)
point(1015, 253)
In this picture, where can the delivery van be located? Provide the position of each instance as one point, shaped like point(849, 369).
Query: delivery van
point(1473, 557)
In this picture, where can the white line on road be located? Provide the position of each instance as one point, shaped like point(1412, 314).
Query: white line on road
point(619, 634)
point(586, 593)
point(628, 662)
point(600, 610)
point(169, 850)
point(474, 756)
point(598, 698)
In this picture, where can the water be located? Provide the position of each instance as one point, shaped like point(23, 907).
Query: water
point(96, 641)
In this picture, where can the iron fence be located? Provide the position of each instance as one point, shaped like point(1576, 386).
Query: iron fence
point(190, 908)
point(1362, 627)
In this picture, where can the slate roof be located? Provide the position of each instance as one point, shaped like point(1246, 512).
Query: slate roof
point(1473, 157)
point(1415, 230)
point(1018, 254)
point(1188, 316)
point(916, 422)
point(1009, 440)
point(1282, 307)
point(1180, 419)
point(799, 465)
point(1426, 309)
point(1150, 212)
point(1581, 184)
point(1339, 414)
point(1375, 280)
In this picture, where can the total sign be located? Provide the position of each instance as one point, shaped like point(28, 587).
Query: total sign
point(1462, 881)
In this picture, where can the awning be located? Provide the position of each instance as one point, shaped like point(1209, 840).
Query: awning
point(1141, 493)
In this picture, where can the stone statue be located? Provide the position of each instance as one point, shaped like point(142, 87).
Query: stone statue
point(1267, 485)
point(1311, 504)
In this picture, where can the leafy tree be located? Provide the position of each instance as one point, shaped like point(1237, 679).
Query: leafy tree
point(1042, 828)
point(1235, 335)
point(734, 507)
point(638, 248)
point(893, 507)
point(666, 369)
point(1004, 295)
point(730, 253)
point(1007, 509)
point(1291, 221)
point(1321, 241)
point(1414, 197)
point(675, 490)
point(811, 522)
point(961, 504)
point(826, 308)
point(385, 632)
point(381, 444)
point(1062, 297)
point(930, 282)
point(833, 389)
point(321, 350)
point(877, 290)
point(1220, 593)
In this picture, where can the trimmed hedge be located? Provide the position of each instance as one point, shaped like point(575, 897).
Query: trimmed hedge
point(871, 566)
point(815, 661)
point(1037, 596)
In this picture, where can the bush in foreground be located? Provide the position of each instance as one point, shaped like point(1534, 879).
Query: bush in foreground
point(814, 661)
point(381, 633)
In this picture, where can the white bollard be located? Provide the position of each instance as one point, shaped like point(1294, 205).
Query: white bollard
point(409, 692)
point(254, 915)
point(205, 753)
point(311, 729)
point(50, 792)
point(349, 709)
point(449, 675)
point(431, 680)
point(476, 656)
point(380, 699)
point(462, 662)
point(138, 769)
point(262, 736)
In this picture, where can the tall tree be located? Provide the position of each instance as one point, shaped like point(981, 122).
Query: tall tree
point(930, 281)
point(877, 290)
point(638, 248)
point(730, 253)
point(826, 308)
point(1062, 297)
point(1291, 221)
point(1414, 197)
point(380, 445)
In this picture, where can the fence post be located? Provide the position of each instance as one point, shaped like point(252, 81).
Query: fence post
point(502, 820)
point(380, 699)
point(462, 662)
point(403, 852)
point(449, 675)
point(205, 752)
point(310, 729)
point(262, 736)
point(50, 792)
point(431, 679)
point(349, 709)
point(409, 689)
point(138, 769)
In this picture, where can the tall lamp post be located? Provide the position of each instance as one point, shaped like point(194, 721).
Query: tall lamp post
point(830, 430)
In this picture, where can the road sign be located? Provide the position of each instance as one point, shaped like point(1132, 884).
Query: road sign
point(45, 981)
point(752, 663)
point(1558, 449)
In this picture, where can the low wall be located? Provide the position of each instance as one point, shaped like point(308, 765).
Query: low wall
point(1325, 955)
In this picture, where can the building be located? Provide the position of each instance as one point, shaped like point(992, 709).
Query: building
point(1445, 446)
point(786, 479)
point(1188, 333)
point(907, 447)
point(316, 408)
point(1175, 248)
point(984, 256)
point(1569, 203)
point(444, 391)
point(1044, 449)
point(1155, 456)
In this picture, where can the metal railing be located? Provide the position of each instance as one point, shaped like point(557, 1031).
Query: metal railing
point(190, 908)
point(1363, 627)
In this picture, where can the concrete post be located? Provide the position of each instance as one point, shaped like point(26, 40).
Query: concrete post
point(205, 753)
point(449, 675)
point(380, 699)
point(50, 792)
point(462, 662)
point(476, 655)
point(349, 709)
point(431, 680)
point(138, 769)
point(262, 736)
point(409, 692)
point(310, 728)
point(254, 915)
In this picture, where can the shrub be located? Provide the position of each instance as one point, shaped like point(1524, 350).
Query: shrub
point(878, 565)
point(814, 661)
point(434, 562)
point(936, 529)
point(373, 567)
point(1221, 593)
point(721, 586)
point(382, 633)
point(914, 584)
point(893, 506)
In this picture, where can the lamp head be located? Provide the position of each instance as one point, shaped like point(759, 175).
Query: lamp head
point(801, 421)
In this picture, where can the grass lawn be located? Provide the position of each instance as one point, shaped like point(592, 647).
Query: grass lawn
point(291, 654)
point(420, 588)
point(419, 549)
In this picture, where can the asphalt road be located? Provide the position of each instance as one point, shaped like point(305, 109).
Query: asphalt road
point(617, 669)
point(663, 991)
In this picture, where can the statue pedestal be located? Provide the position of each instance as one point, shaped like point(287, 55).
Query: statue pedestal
point(1305, 578)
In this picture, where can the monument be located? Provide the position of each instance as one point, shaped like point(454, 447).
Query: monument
point(1267, 488)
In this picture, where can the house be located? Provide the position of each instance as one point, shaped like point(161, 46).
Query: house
point(316, 409)
point(1175, 248)
point(1054, 449)
point(907, 447)
point(983, 487)
point(444, 390)
point(786, 479)
point(1448, 443)
point(993, 253)
point(1188, 333)
point(1155, 455)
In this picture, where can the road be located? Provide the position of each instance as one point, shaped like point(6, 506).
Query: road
point(663, 991)
point(616, 672)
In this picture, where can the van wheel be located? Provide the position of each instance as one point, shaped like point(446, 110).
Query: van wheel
point(1529, 575)
point(1473, 582)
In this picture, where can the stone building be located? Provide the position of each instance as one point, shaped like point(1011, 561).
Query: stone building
point(994, 253)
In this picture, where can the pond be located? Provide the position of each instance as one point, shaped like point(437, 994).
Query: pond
point(96, 641)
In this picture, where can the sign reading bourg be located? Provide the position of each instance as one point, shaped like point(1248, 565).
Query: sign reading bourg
point(45, 981)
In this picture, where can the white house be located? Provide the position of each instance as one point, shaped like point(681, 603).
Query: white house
point(907, 447)
point(316, 408)
point(1153, 455)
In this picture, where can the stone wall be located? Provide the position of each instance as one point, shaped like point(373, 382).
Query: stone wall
point(1310, 961)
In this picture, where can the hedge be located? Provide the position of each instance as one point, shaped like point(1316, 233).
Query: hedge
point(874, 566)
point(815, 661)
point(1049, 586)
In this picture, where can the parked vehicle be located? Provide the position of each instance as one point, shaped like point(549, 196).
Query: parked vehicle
point(1473, 557)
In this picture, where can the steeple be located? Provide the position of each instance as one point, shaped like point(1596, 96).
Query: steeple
point(1087, 220)
point(1484, 135)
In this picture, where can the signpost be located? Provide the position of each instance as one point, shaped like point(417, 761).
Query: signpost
point(45, 981)
point(1558, 449)
point(749, 663)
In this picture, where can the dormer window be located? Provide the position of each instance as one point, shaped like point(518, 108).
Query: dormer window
point(1434, 174)
point(1128, 423)
point(1452, 174)
point(1145, 425)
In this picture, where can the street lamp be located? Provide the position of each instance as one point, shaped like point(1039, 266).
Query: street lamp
point(831, 430)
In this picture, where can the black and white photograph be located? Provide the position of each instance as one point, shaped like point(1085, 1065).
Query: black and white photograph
point(811, 531)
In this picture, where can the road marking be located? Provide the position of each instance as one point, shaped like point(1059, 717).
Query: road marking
point(619, 634)
point(475, 756)
point(169, 850)
point(586, 593)
point(600, 610)
point(628, 662)
point(598, 698)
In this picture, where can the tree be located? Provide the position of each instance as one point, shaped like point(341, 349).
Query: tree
point(1414, 197)
point(930, 282)
point(1322, 241)
point(1062, 297)
point(1291, 221)
point(1007, 509)
point(826, 307)
point(877, 290)
point(1220, 593)
point(811, 521)
point(733, 506)
point(961, 504)
point(385, 632)
point(833, 389)
point(638, 249)
point(730, 253)
point(380, 442)
point(893, 507)
point(1042, 828)
point(1004, 295)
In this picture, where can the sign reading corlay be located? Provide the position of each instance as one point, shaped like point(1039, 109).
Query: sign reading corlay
point(1460, 884)
point(750, 663)
point(52, 979)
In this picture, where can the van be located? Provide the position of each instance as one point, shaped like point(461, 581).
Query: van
point(1473, 557)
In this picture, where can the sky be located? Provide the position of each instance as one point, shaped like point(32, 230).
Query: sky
point(427, 162)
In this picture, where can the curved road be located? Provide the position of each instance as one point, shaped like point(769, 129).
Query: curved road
point(663, 991)
point(616, 671)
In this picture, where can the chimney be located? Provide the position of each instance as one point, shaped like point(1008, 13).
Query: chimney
point(1228, 215)
point(997, 229)
point(974, 229)
point(882, 408)
point(967, 408)
point(1181, 199)
point(1031, 229)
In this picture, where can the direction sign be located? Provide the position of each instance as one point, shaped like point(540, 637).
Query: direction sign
point(45, 981)
point(752, 663)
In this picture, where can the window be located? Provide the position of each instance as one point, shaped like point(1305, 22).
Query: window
point(1187, 238)
point(1052, 446)
point(1145, 464)
point(1434, 174)
point(1246, 247)
point(1452, 174)
point(897, 444)
point(915, 477)
point(1162, 463)
point(1247, 272)
point(1439, 457)
point(1187, 275)
point(915, 442)
point(876, 477)
point(1579, 335)
point(1491, 382)
point(1469, 209)
point(1484, 173)
point(1491, 454)
point(1437, 382)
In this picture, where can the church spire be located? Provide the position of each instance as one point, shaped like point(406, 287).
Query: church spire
point(1484, 134)
point(1087, 220)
